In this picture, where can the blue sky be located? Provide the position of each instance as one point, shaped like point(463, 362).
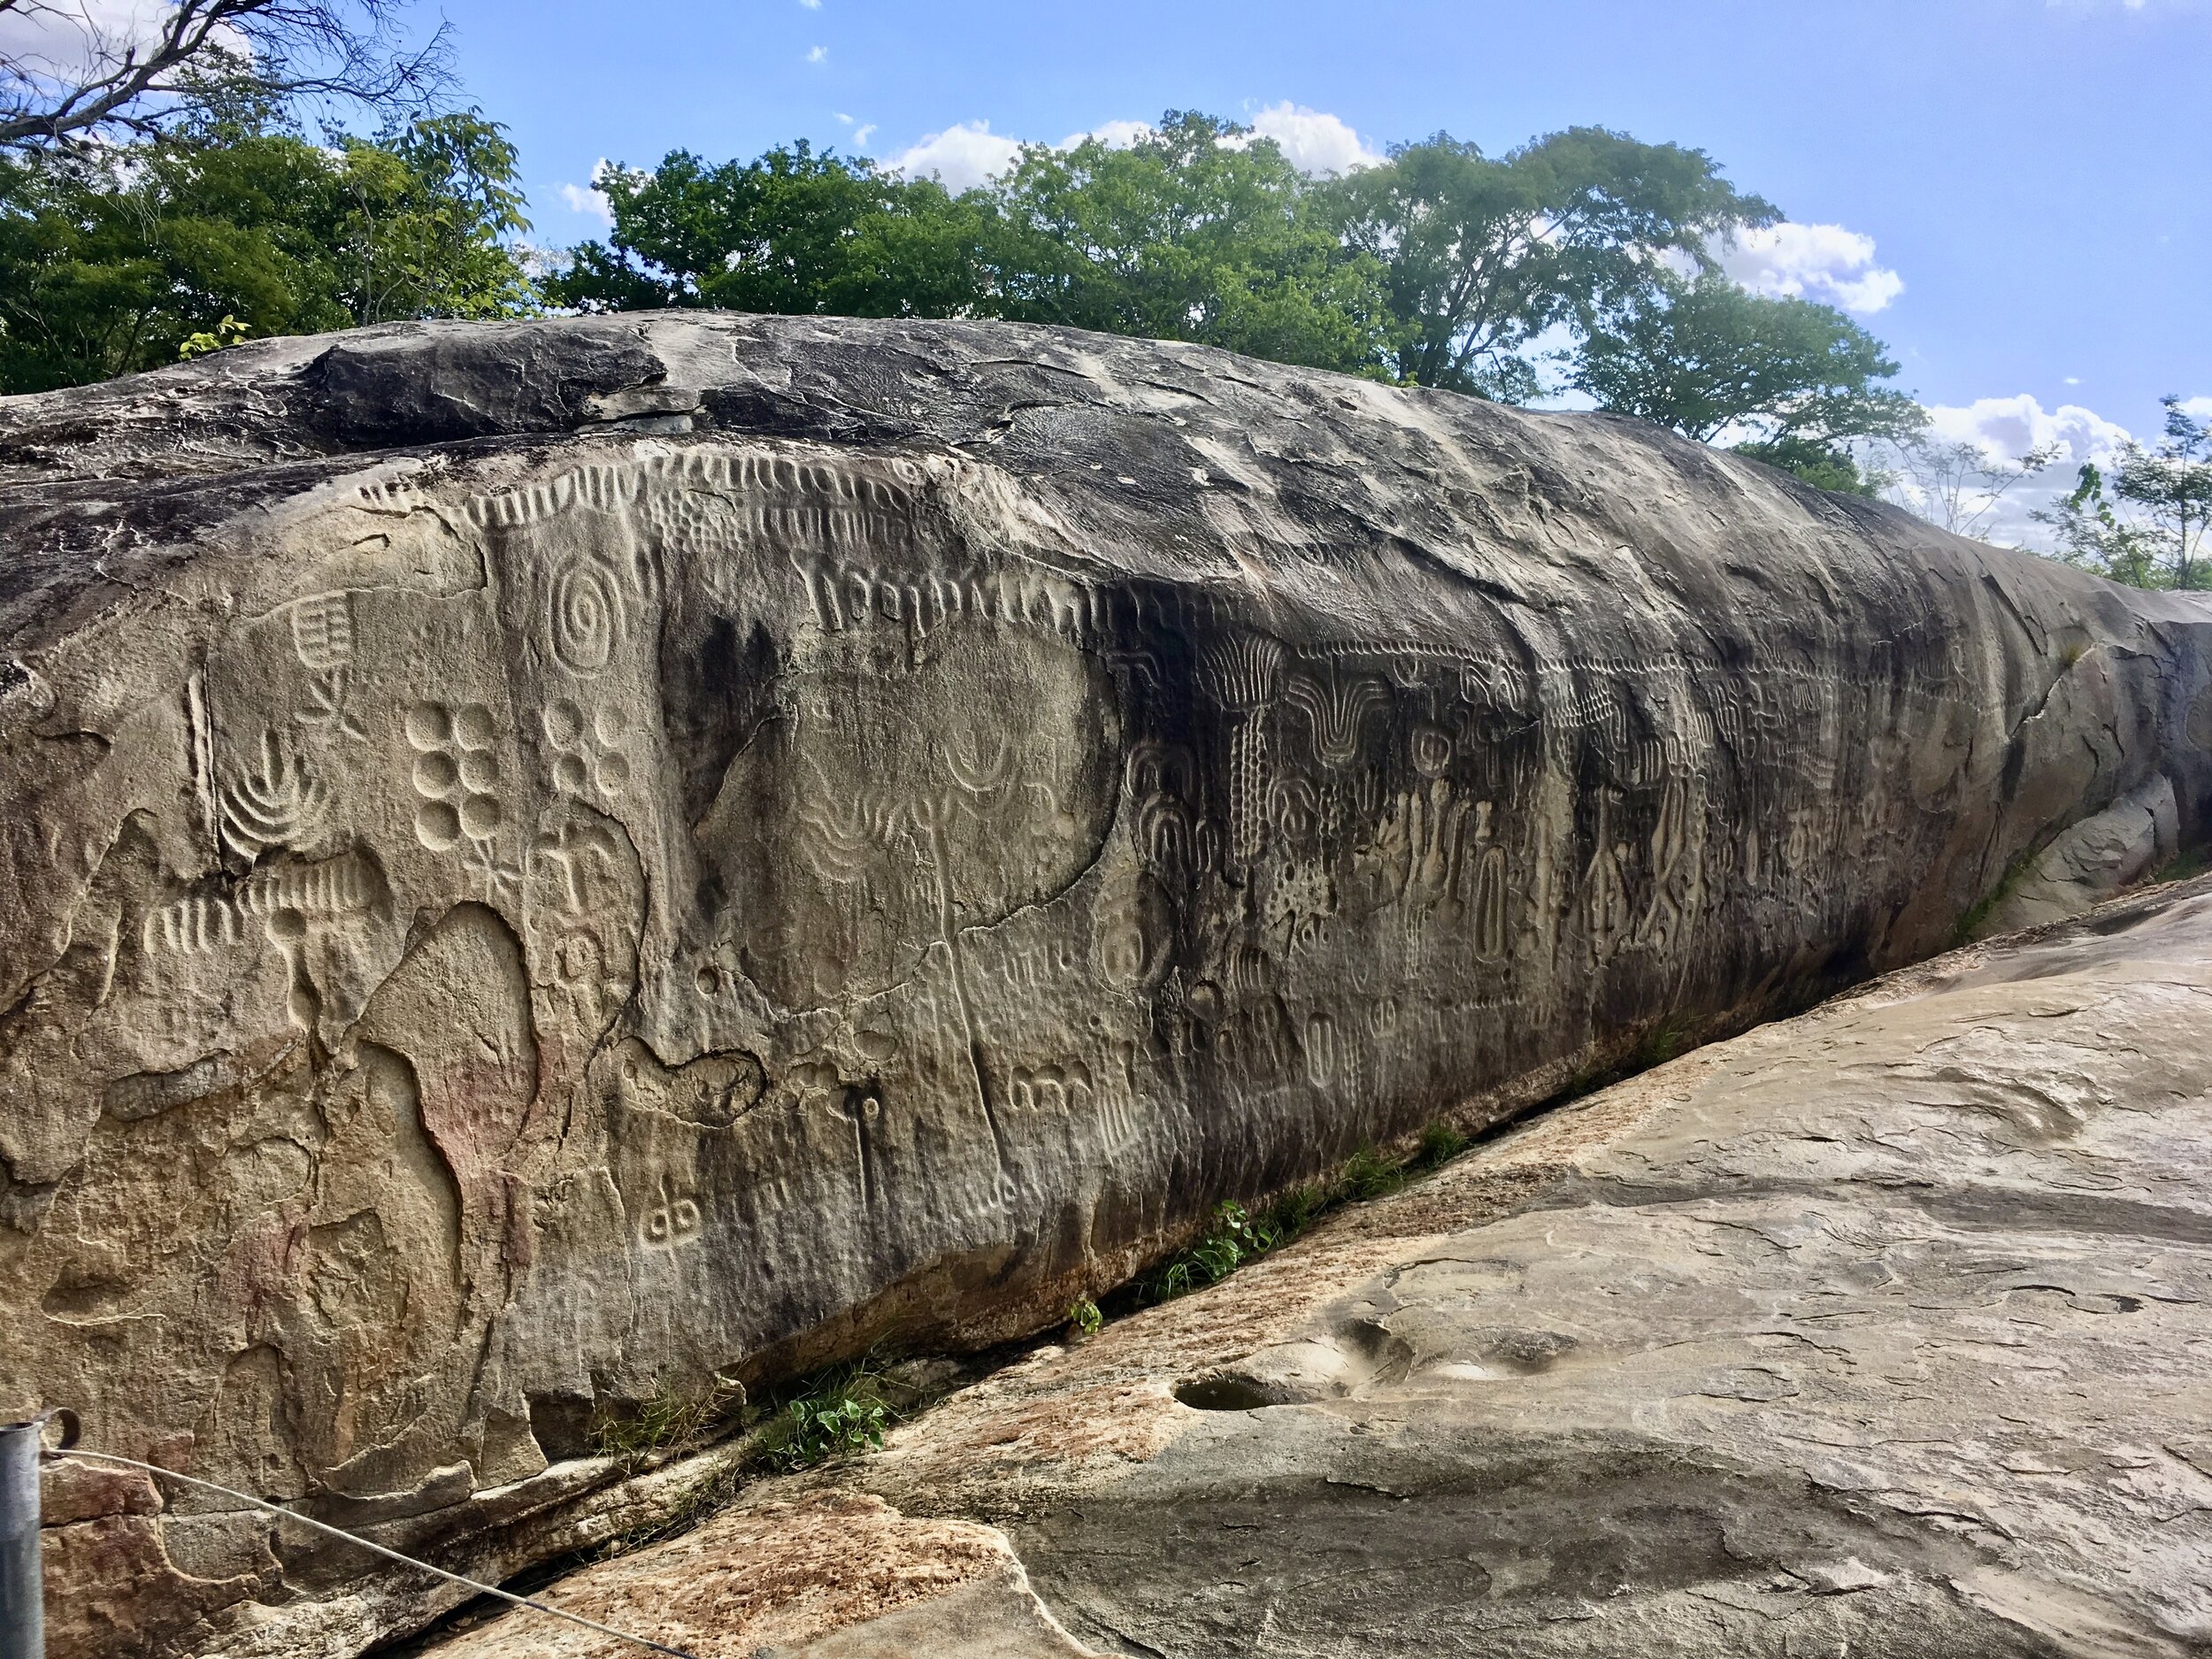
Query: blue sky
point(2032, 174)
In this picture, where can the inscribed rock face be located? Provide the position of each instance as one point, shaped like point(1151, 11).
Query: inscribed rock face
point(539, 862)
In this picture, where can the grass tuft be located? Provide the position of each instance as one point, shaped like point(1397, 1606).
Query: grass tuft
point(1441, 1143)
point(670, 1419)
point(2191, 861)
point(1238, 1236)
point(841, 1413)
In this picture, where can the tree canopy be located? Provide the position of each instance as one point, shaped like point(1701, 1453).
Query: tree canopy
point(793, 231)
point(117, 257)
point(1795, 383)
point(1580, 261)
point(1483, 255)
point(1197, 231)
point(2146, 523)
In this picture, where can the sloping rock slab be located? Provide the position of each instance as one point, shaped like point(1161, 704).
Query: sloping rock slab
point(539, 863)
point(1880, 1331)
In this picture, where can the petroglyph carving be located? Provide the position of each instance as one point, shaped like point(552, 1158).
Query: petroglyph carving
point(1487, 895)
point(346, 885)
point(1336, 708)
point(274, 800)
point(1321, 1050)
point(581, 853)
point(330, 705)
point(860, 1108)
point(322, 631)
point(1676, 866)
point(674, 1219)
point(1605, 884)
point(1135, 931)
point(588, 758)
point(1161, 781)
point(585, 615)
point(847, 597)
point(1417, 846)
point(1240, 674)
point(457, 774)
point(491, 929)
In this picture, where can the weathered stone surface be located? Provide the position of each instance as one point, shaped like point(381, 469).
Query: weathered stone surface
point(2099, 857)
point(539, 862)
point(1880, 1331)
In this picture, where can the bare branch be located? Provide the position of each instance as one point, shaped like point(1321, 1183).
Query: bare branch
point(74, 70)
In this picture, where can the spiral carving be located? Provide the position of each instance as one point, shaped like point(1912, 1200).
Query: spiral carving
point(587, 613)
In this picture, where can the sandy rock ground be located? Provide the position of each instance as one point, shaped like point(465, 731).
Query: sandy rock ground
point(1878, 1331)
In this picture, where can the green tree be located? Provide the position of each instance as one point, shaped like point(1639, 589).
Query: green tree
point(1482, 255)
point(1197, 231)
point(2170, 485)
point(792, 232)
point(114, 257)
point(2086, 532)
point(1796, 380)
point(2149, 532)
point(421, 217)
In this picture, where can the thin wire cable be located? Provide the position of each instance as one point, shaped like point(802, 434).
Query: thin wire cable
point(339, 1531)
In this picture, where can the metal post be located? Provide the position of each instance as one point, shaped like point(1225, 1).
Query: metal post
point(22, 1594)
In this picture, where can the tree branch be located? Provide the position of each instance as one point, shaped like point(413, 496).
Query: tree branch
point(85, 81)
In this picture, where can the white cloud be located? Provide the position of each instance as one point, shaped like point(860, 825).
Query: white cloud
point(1113, 135)
point(812, 5)
point(960, 158)
point(2200, 408)
point(1313, 141)
point(818, 54)
point(65, 41)
point(1816, 262)
point(2004, 429)
point(967, 154)
point(586, 199)
point(862, 133)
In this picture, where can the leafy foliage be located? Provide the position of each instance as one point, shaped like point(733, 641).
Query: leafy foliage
point(2148, 531)
point(131, 257)
point(2170, 486)
point(1483, 255)
point(821, 1431)
point(1237, 1236)
point(841, 1413)
point(1368, 1174)
point(1440, 267)
point(792, 232)
point(1706, 357)
point(1197, 231)
point(1085, 1319)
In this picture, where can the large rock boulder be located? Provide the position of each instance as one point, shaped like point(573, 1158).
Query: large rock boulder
point(1877, 1331)
point(542, 862)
